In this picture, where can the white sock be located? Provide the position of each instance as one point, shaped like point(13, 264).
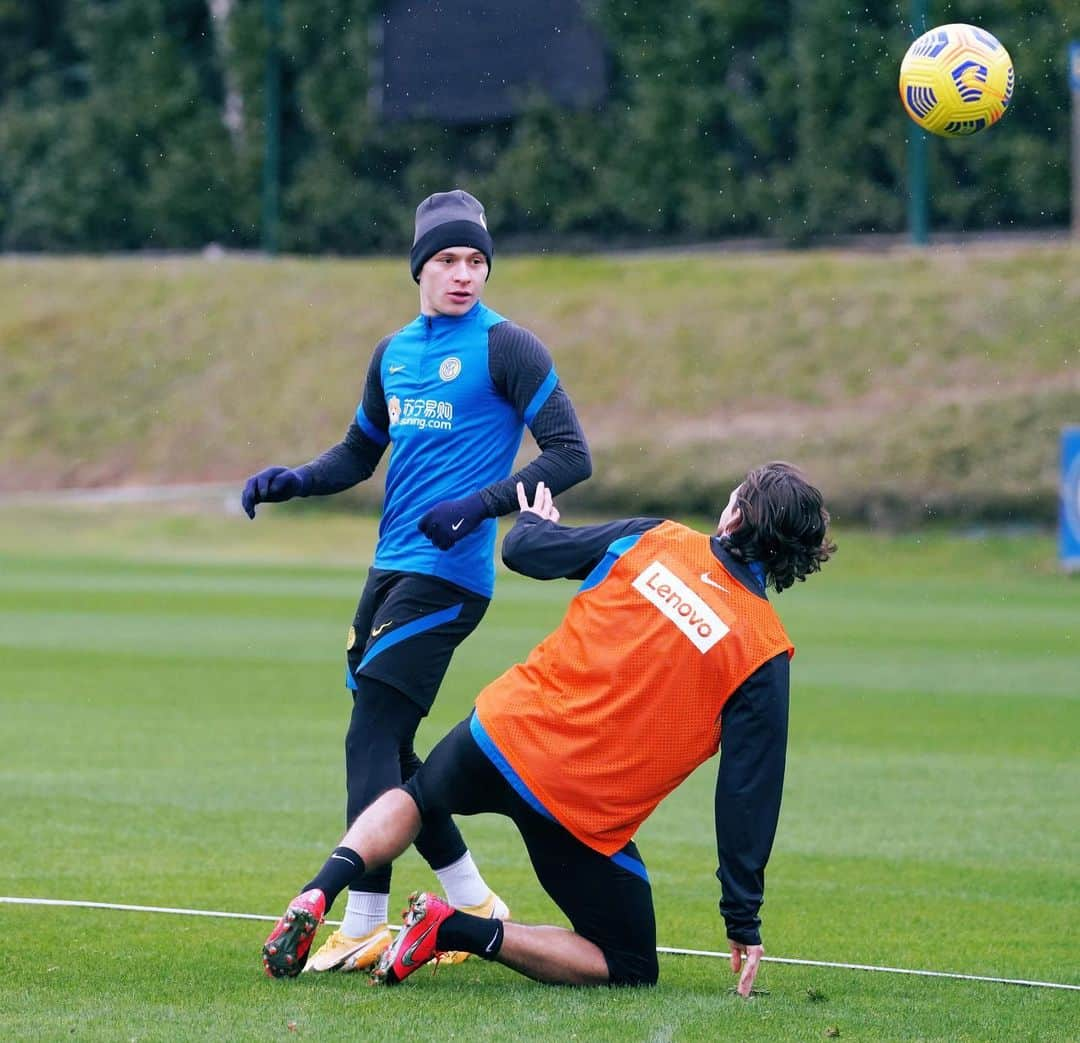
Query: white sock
point(462, 882)
point(364, 912)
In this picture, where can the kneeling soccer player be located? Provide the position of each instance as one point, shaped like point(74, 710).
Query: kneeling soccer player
point(669, 652)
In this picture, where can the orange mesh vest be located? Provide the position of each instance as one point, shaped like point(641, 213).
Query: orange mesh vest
point(618, 705)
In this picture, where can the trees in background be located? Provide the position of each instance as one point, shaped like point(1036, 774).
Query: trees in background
point(128, 124)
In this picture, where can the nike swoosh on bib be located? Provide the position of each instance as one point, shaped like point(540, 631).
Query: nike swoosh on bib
point(712, 583)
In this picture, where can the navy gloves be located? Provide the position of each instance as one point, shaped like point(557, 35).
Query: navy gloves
point(445, 524)
point(451, 520)
point(273, 485)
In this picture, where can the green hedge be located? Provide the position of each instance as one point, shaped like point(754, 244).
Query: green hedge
point(724, 118)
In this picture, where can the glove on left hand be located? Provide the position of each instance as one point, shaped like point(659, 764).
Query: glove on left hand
point(451, 520)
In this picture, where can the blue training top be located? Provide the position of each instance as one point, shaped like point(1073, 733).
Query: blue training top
point(452, 396)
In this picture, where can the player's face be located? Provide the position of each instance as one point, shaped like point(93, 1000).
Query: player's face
point(731, 516)
point(452, 280)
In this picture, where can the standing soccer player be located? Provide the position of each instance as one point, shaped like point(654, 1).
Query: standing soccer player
point(452, 392)
point(669, 651)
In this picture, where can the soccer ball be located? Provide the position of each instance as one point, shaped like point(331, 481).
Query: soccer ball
point(956, 80)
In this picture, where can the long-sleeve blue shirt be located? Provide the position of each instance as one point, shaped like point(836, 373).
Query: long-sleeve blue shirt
point(452, 395)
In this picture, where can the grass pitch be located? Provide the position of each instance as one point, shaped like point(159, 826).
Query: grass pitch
point(173, 712)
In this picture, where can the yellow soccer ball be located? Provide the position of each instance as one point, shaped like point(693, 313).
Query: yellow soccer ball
point(956, 80)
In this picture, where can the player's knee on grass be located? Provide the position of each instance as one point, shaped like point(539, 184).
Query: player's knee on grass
point(632, 967)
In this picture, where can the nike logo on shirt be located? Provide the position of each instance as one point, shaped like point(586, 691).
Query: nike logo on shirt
point(712, 583)
point(396, 369)
point(376, 631)
point(458, 524)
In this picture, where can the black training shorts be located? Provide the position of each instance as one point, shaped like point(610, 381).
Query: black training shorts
point(607, 901)
point(406, 629)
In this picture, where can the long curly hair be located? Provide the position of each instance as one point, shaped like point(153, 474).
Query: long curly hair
point(784, 524)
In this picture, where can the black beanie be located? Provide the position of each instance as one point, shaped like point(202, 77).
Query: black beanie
point(448, 219)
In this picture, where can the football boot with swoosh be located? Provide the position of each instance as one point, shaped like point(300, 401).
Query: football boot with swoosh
point(416, 943)
point(343, 954)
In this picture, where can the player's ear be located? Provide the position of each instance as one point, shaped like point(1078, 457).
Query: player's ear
point(729, 522)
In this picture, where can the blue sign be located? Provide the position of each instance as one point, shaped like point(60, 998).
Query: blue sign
point(1069, 530)
point(1074, 65)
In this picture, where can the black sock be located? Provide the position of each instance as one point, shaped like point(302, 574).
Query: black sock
point(462, 932)
point(342, 865)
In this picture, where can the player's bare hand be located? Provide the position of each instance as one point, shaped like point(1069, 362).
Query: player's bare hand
point(542, 504)
point(745, 960)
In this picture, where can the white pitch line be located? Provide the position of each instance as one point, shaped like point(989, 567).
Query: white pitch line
point(141, 908)
point(883, 970)
point(660, 948)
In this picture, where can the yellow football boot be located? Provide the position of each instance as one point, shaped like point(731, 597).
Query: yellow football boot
point(341, 953)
